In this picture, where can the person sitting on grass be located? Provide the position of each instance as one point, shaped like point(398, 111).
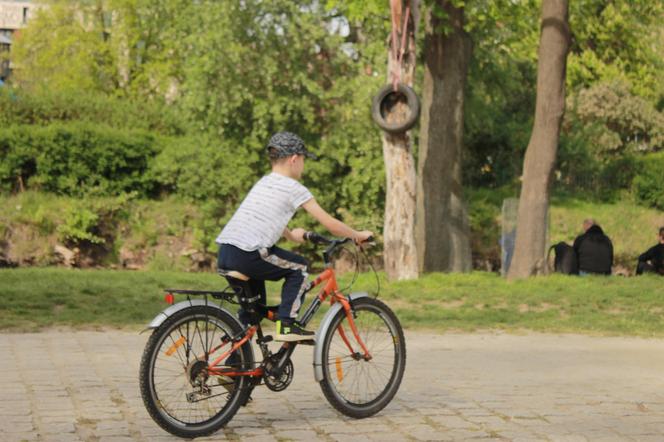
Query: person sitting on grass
point(247, 242)
point(594, 250)
point(652, 261)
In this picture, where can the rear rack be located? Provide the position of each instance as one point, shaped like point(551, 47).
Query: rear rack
point(227, 294)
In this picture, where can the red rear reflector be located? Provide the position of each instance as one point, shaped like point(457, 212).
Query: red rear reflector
point(169, 298)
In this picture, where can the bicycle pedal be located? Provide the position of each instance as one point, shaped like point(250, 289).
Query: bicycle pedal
point(265, 339)
point(307, 342)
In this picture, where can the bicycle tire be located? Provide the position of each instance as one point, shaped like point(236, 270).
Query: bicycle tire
point(367, 311)
point(158, 410)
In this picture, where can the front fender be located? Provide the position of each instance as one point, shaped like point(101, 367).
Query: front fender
point(170, 311)
point(322, 331)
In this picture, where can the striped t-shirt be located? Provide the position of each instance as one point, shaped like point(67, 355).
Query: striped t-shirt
point(265, 212)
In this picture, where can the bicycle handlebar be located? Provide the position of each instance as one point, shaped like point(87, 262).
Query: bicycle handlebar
point(316, 238)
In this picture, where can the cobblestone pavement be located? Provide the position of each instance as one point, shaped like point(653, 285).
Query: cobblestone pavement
point(82, 386)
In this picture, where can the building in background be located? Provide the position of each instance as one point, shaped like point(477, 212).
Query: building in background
point(14, 15)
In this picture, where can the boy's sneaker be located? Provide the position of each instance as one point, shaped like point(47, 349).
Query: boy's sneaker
point(292, 332)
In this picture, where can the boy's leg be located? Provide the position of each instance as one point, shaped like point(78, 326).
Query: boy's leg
point(282, 264)
point(258, 288)
point(293, 269)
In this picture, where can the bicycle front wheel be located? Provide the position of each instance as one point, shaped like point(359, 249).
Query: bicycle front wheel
point(356, 386)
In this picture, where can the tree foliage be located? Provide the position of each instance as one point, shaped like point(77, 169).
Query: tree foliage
point(209, 81)
point(618, 40)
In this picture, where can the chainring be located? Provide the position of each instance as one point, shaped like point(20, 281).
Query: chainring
point(281, 382)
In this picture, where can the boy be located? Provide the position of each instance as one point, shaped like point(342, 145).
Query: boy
point(247, 242)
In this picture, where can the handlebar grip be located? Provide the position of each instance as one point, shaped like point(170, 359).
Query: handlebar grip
point(315, 238)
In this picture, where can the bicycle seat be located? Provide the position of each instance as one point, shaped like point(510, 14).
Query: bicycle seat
point(233, 274)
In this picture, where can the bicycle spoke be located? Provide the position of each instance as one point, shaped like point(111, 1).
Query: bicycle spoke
point(170, 375)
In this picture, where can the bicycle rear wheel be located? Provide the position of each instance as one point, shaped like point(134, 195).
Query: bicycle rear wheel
point(357, 387)
point(178, 392)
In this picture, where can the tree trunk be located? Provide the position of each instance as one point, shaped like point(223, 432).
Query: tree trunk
point(530, 250)
point(400, 255)
point(442, 230)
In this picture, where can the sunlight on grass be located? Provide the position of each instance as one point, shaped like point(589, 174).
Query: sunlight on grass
point(34, 298)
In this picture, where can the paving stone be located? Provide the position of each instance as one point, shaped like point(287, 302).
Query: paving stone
point(297, 435)
point(456, 387)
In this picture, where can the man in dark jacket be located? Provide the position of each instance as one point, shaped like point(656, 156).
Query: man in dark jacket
point(653, 259)
point(594, 250)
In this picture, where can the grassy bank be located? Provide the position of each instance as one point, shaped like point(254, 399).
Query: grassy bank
point(173, 234)
point(31, 299)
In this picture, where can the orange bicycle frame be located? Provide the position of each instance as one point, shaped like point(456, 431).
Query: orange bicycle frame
point(329, 290)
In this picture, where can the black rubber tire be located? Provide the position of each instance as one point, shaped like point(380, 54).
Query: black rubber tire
point(382, 98)
point(150, 399)
point(336, 399)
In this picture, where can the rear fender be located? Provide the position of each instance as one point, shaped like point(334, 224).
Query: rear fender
point(170, 311)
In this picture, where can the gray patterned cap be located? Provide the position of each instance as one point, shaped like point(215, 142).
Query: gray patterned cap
point(287, 144)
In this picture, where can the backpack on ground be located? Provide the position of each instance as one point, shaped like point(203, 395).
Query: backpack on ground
point(565, 260)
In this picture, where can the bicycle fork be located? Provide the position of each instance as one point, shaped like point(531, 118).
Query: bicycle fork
point(350, 315)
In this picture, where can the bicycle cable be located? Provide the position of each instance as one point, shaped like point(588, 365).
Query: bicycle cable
point(355, 274)
point(359, 250)
point(373, 269)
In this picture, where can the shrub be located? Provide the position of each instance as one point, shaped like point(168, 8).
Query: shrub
point(77, 158)
point(93, 220)
point(648, 185)
point(18, 107)
point(81, 224)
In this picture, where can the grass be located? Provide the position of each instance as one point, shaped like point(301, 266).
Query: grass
point(35, 298)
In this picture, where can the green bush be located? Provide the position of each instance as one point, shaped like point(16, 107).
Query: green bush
point(81, 224)
point(18, 107)
point(77, 158)
point(648, 185)
point(94, 221)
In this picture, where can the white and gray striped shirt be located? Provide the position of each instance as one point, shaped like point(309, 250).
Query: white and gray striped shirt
point(265, 212)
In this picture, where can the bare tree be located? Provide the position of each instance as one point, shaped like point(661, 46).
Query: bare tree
point(530, 249)
point(442, 229)
point(400, 256)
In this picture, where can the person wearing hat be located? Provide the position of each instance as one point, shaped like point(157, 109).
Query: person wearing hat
point(247, 242)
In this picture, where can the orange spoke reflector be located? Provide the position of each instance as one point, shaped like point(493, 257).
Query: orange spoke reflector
point(340, 371)
point(175, 346)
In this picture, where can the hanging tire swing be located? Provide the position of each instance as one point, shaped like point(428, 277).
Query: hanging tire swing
point(386, 99)
point(392, 97)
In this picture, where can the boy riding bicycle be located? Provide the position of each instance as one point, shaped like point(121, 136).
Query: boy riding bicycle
point(247, 242)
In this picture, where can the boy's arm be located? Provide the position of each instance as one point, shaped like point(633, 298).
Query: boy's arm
point(333, 225)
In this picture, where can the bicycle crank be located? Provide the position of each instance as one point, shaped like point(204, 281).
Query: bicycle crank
point(281, 381)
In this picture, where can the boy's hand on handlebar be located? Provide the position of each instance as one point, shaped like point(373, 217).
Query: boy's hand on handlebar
point(298, 234)
point(363, 237)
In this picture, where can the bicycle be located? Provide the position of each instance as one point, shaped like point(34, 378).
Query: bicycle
point(198, 366)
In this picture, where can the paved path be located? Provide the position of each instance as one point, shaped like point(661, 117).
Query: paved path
point(82, 386)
